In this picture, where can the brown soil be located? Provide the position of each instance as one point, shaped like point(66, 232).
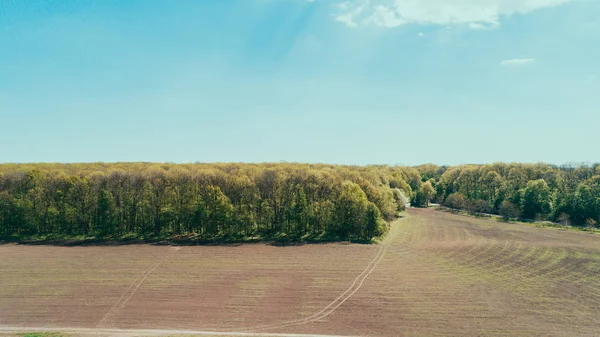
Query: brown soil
point(435, 273)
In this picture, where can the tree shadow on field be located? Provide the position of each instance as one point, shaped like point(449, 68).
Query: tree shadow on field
point(228, 242)
point(116, 243)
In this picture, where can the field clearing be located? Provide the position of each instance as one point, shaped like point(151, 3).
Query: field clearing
point(435, 273)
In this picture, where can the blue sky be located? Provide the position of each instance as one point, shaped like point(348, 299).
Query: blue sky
point(352, 82)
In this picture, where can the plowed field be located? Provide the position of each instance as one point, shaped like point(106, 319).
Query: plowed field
point(435, 273)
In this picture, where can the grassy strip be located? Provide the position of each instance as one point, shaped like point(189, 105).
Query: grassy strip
point(542, 224)
point(41, 334)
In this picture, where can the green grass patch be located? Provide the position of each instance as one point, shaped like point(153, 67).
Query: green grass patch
point(539, 224)
point(41, 334)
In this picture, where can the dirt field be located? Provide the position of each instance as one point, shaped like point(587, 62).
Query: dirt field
point(435, 274)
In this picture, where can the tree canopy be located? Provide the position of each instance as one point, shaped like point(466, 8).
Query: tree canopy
point(213, 201)
point(527, 191)
point(285, 200)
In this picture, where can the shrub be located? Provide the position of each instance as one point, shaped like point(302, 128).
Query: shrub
point(564, 219)
point(455, 200)
point(508, 210)
point(478, 206)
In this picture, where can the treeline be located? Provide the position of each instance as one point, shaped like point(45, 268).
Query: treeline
point(277, 201)
point(565, 194)
point(205, 201)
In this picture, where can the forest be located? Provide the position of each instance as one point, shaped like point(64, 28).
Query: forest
point(283, 201)
point(568, 194)
point(206, 201)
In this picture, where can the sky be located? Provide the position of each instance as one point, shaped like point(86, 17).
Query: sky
point(345, 82)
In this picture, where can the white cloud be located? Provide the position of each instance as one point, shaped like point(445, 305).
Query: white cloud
point(480, 26)
point(343, 5)
point(347, 19)
point(385, 17)
point(517, 62)
point(478, 14)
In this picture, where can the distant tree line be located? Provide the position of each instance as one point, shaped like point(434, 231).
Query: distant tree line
point(206, 201)
point(567, 194)
point(271, 201)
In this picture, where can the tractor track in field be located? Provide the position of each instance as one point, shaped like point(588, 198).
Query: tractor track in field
point(131, 290)
point(521, 267)
point(336, 303)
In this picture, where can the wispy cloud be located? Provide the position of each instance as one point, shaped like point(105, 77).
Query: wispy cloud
point(478, 14)
point(517, 62)
point(480, 26)
point(347, 19)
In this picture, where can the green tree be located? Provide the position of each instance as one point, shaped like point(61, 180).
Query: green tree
point(536, 200)
point(425, 194)
point(586, 201)
point(106, 212)
point(300, 210)
point(350, 211)
point(491, 183)
point(375, 224)
point(218, 210)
